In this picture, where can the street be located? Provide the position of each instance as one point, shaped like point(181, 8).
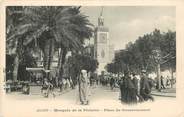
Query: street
point(102, 99)
point(97, 95)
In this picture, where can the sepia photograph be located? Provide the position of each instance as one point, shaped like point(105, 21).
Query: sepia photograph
point(89, 56)
point(56, 49)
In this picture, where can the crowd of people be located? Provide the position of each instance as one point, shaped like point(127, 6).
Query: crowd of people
point(133, 89)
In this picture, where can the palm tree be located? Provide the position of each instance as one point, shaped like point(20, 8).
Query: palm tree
point(14, 44)
point(52, 27)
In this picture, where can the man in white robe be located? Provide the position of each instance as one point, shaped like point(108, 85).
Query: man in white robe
point(83, 87)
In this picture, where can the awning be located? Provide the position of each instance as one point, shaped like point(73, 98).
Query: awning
point(35, 69)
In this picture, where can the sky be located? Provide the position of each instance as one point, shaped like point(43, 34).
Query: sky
point(127, 23)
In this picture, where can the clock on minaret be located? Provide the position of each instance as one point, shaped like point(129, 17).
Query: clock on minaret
point(103, 38)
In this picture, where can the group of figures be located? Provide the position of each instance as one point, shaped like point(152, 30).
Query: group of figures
point(132, 90)
point(166, 82)
point(83, 82)
point(48, 86)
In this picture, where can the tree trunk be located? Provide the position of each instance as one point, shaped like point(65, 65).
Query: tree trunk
point(158, 77)
point(64, 55)
point(172, 77)
point(61, 61)
point(48, 55)
point(18, 47)
point(16, 66)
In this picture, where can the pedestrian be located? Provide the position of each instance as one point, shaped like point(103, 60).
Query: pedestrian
point(64, 84)
point(91, 80)
point(145, 88)
point(83, 85)
point(26, 88)
point(162, 82)
point(123, 88)
point(65, 75)
point(68, 85)
point(60, 84)
point(112, 83)
point(168, 83)
point(128, 94)
point(137, 84)
point(131, 91)
point(47, 88)
point(71, 83)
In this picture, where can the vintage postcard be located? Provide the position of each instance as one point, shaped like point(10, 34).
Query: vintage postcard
point(92, 58)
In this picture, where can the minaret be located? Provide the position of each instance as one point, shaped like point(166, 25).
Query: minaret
point(101, 46)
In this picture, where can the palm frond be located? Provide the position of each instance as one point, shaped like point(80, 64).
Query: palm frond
point(72, 38)
point(35, 35)
point(19, 30)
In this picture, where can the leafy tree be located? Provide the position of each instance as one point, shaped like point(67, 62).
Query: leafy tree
point(169, 52)
point(139, 55)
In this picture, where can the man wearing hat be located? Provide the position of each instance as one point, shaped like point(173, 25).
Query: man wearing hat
point(145, 88)
point(127, 89)
point(137, 84)
point(83, 85)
